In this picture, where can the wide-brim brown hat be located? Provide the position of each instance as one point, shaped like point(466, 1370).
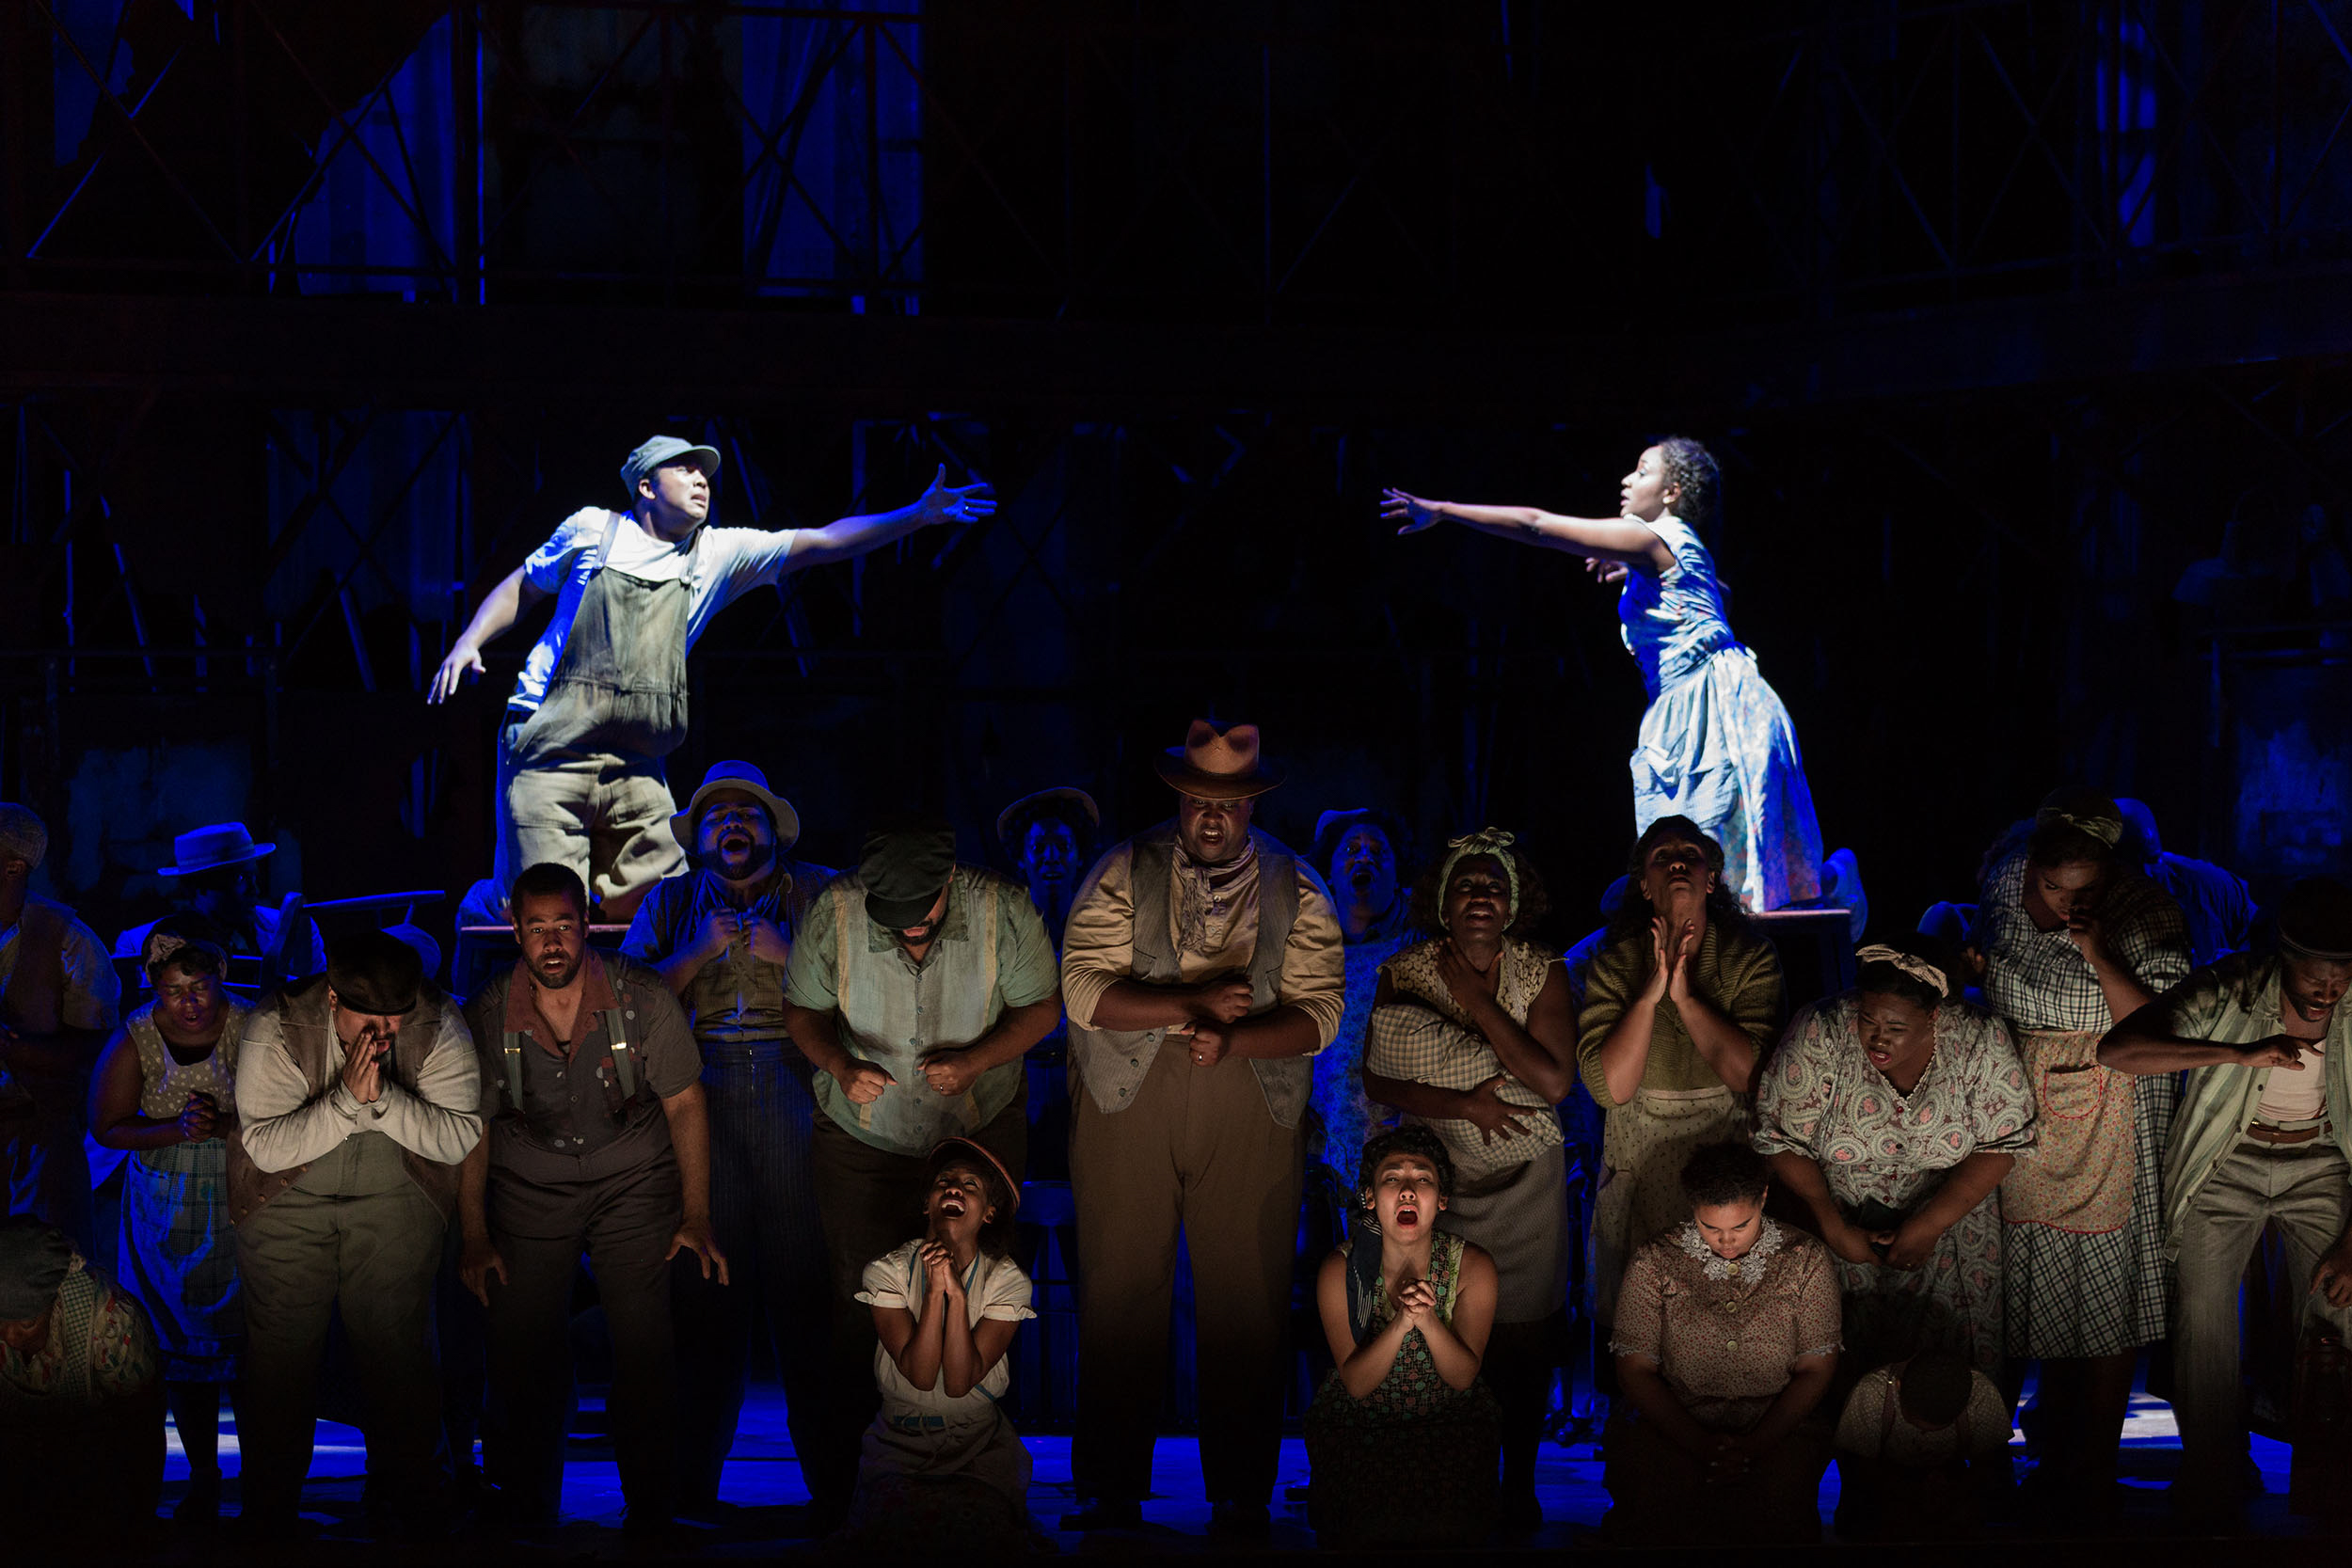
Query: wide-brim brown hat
point(1218, 762)
point(740, 777)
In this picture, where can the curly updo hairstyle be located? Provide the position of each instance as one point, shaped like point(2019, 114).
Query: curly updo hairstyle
point(1693, 469)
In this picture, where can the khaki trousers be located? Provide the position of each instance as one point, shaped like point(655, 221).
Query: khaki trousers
point(1195, 1152)
point(300, 1258)
point(607, 818)
point(2302, 1188)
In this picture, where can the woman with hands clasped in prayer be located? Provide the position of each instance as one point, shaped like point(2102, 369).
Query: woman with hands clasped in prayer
point(1725, 1341)
point(1473, 1033)
point(1403, 1433)
point(1893, 1112)
point(164, 1090)
point(1679, 1007)
point(942, 1466)
point(1716, 744)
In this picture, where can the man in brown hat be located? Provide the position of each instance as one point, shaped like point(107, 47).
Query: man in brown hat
point(58, 996)
point(719, 933)
point(1202, 968)
point(916, 987)
point(356, 1095)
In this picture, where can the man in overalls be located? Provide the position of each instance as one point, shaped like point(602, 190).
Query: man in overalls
point(915, 988)
point(598, 1144)
point(1204, 968)
point(58, 1001)
point(719, 935)
point(602, 696)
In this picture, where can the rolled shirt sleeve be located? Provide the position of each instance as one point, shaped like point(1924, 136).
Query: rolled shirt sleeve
point(1025, 971)
point(1314, 960)
point(810, 973)
point(1098, 939)
point(741, 559)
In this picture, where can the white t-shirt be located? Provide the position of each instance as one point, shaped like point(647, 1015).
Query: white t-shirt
point(992, 1288)
point(717, 564)
point(2291, 1096)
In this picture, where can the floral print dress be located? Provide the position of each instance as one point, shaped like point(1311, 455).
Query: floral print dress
point(1822, 1099)
point(1414, 1462)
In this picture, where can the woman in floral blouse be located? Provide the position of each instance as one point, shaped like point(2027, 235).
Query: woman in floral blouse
point(1894, 1112)
point(81, 1393)
point(1727, 1338)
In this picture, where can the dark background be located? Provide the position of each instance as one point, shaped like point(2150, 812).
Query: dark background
point(314, 319)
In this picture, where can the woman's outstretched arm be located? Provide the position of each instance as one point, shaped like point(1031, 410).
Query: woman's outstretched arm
point(1596, 538)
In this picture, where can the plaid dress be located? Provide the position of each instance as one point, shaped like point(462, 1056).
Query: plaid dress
point(2074, 1293)
point(178, 1255)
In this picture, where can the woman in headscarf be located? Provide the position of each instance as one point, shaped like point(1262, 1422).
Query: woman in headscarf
point(1473, 1033)
point(1893, 1112)
point(1716, 744)
point(2075, 941)
point(165, 1090)
point(1679, 1008)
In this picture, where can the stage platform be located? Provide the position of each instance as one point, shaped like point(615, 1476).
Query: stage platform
point(765, 1483)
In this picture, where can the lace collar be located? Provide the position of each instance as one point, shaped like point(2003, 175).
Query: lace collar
point(1748, 1269)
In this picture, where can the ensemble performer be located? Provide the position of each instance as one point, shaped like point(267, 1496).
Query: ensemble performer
point(1203, 969)
point(601, 700)
point(1716, 744)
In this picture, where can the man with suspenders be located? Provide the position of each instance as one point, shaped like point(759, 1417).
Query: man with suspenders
point(601, 700)
point(598, 1144)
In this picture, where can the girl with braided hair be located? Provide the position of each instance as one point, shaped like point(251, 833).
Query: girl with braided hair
point(1716, 744)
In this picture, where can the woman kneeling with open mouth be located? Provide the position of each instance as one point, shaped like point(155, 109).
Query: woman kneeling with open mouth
point(942, 1465)
point(1406, 1309)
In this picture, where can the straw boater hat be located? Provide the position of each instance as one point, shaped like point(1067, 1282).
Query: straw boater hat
point(203, 849)
point(741, 778)
point(1218, 762)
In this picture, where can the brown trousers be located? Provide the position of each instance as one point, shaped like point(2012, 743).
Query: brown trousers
point(1195, 1152)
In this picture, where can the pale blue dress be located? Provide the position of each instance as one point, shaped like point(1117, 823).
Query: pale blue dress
point(1716, 744)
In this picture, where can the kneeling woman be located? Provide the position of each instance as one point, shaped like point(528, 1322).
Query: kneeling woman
point(1894, 1112)
point(1727, 1338)
point(1404, 1436)
point(942, 1465)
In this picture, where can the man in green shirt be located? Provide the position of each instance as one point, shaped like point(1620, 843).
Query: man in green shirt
point(2264, 1136)
point(914, 987)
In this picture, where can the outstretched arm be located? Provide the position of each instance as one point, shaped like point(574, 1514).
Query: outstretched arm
point(1598, 538)
point(846, 538)
point(500, 608)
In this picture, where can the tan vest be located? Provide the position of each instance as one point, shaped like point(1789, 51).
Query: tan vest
point(307, 1027)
